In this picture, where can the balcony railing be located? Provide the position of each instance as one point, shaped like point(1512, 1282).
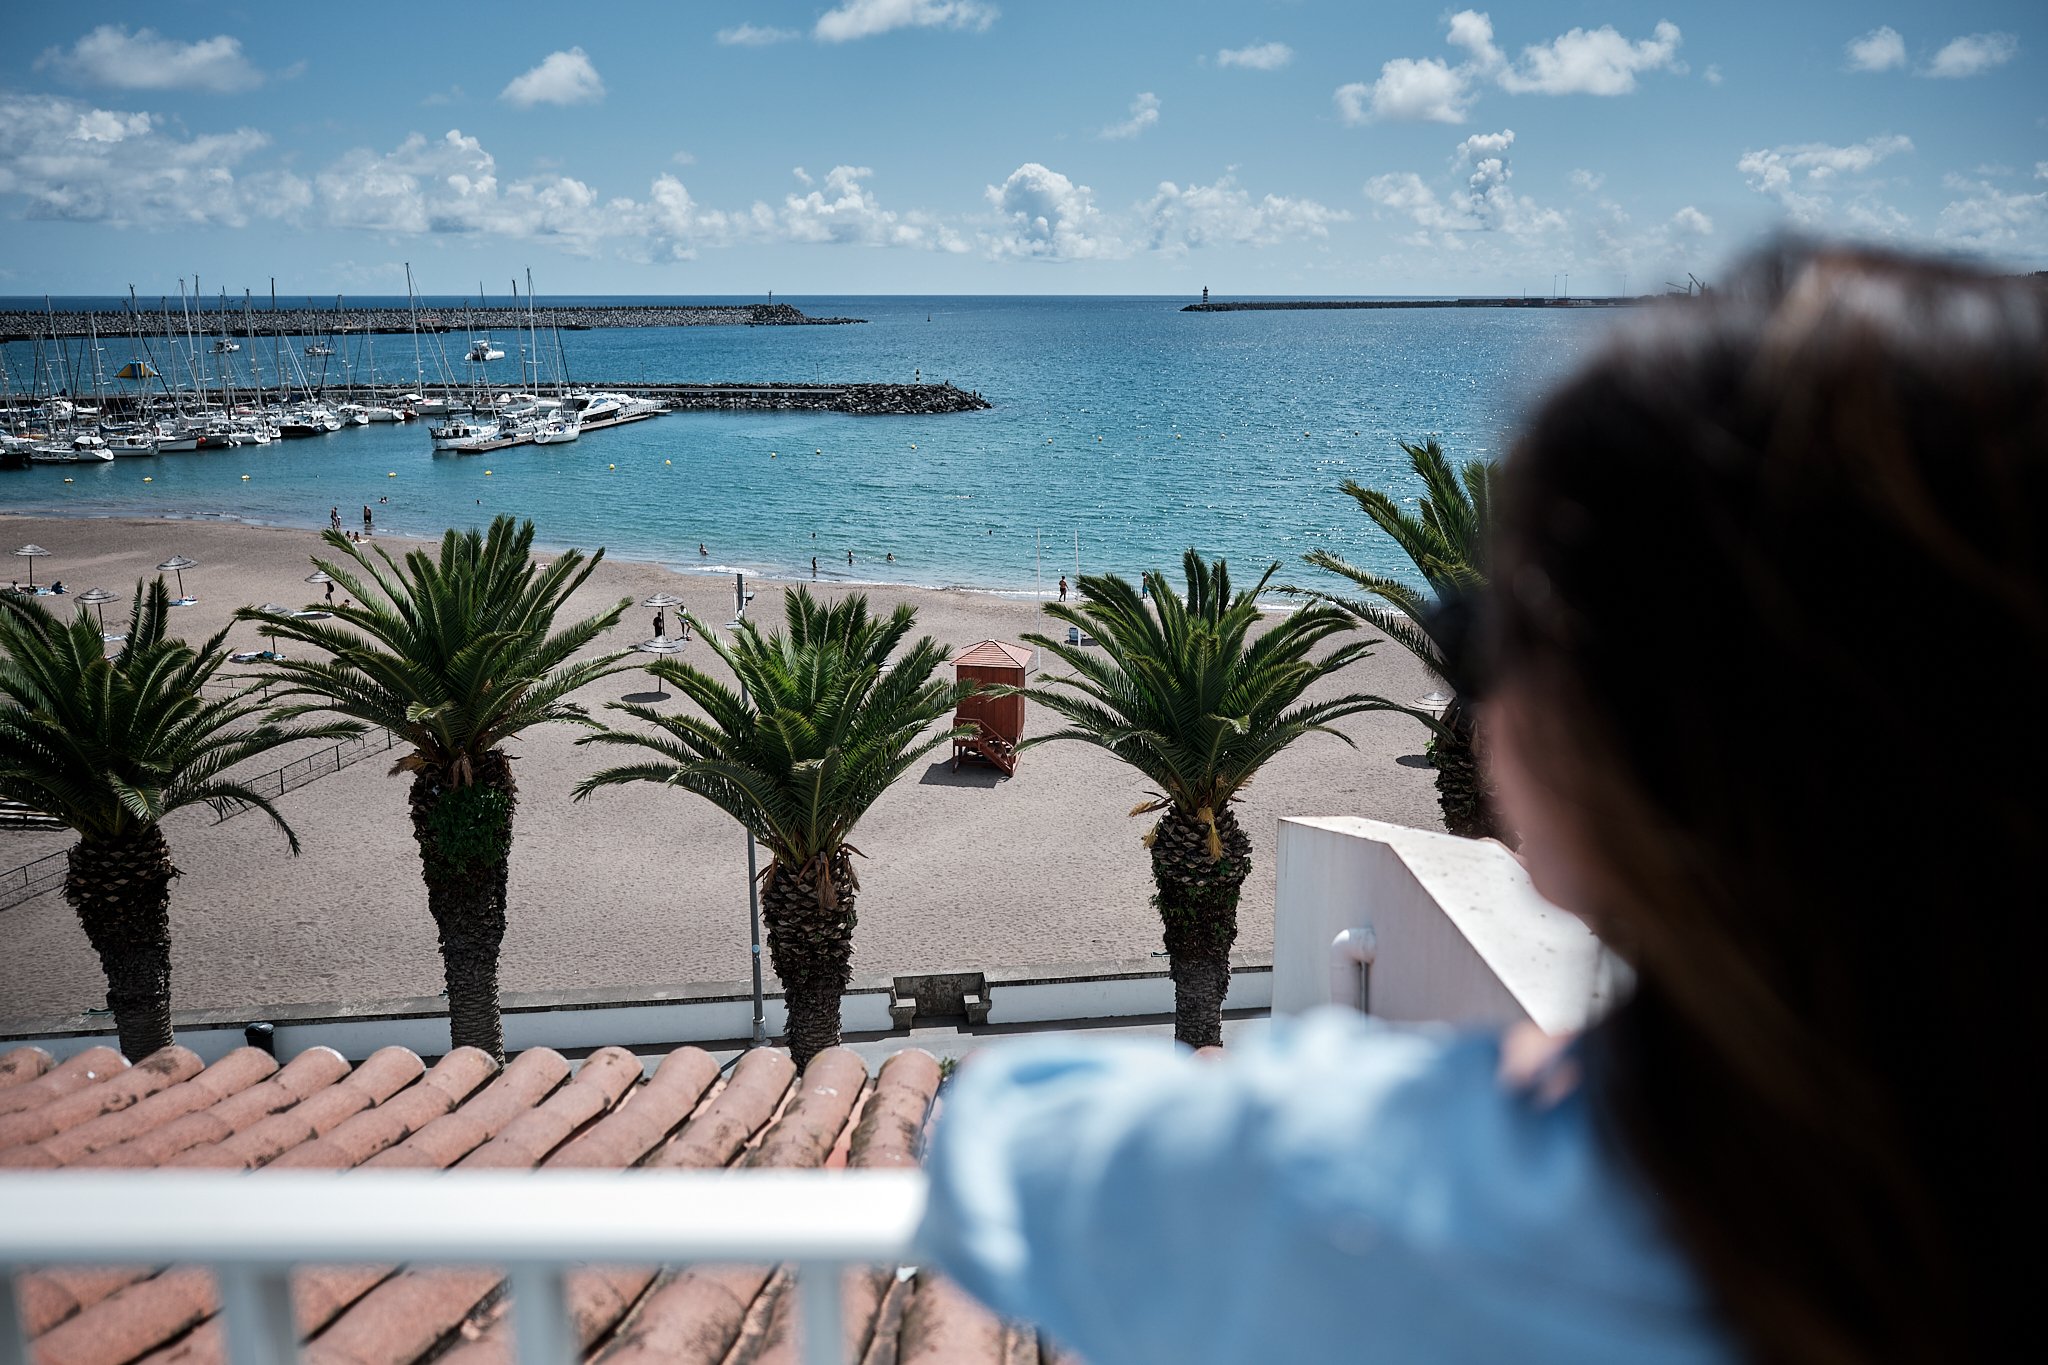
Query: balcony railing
point(251, 1229)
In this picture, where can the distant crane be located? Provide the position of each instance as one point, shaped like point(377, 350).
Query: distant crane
point(1693, 285)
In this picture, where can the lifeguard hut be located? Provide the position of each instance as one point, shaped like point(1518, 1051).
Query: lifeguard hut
point(998, 721)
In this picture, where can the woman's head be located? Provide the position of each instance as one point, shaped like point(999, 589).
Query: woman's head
point(1769, 636)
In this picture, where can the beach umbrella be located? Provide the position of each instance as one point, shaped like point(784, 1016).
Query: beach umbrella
point(99, 597)
point(177, 564)
point(662, 601)
point(661, 646)
point(271, 631)
point(31, 553)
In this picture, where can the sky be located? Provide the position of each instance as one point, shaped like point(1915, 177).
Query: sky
point(721, 148)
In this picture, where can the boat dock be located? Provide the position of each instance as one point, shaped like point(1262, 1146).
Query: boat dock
point(507, 442)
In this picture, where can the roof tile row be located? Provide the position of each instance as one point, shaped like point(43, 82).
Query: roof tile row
point(244, 1112)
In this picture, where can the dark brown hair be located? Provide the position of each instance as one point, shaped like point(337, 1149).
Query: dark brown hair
point(1773, 581)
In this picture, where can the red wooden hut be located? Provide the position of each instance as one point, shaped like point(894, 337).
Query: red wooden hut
point(998, 721)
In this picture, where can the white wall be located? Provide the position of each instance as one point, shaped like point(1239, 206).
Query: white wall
point(1461, 935)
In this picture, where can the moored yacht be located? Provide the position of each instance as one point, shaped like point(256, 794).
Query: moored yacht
point(464, 434)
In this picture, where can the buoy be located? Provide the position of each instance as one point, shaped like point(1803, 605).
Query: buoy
point(245, 478)
point(668, 461)
point(147, 479)
point(821, 450)
point(67, 478)
point(392, 475)
point(611, 466)
point(913, 445)
point(1098, 440)
point(487, 473)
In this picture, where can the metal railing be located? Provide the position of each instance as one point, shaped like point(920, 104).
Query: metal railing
point(251, 1229)
point(17, 884)
point(313, 766)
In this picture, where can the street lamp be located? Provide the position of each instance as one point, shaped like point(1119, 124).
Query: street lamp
point(741, 597)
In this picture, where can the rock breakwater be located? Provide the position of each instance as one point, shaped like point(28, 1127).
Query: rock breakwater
point(22, 326)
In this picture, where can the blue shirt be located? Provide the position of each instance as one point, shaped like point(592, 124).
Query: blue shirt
point(1336, 1189)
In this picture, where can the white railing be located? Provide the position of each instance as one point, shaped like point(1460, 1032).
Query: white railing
point(250, 1229)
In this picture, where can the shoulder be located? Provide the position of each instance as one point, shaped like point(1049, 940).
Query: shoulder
point(1136, 1197)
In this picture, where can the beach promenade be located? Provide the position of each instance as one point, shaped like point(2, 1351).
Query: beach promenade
point(643, 886)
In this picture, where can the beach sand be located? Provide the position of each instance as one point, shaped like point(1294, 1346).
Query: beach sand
point(640, 885)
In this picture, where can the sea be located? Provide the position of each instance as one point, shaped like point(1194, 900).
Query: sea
point(1122, 432)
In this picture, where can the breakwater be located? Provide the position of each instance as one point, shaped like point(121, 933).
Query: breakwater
point(859, 400)
point(308, 322)
point(1299, 305)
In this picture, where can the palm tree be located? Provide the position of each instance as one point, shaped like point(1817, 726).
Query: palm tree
point(821, 726)
point(455, 654)
point(109, 747)
point(1446, 539)
point(1197, 708)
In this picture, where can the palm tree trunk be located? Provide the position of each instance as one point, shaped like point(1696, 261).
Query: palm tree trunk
point(465, 839)
point(811, 948)
point(1198, 905)
point(121, 889)
point(1462, 789)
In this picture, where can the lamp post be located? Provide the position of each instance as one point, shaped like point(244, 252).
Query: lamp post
point(741, 597)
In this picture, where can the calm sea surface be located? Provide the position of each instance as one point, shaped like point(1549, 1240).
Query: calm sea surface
point(1123, 431)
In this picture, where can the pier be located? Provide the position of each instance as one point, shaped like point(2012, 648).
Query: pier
point(209, 323)
point(1302, 305)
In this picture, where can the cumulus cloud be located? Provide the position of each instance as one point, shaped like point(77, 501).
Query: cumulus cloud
point(561, 78)
point(755, 35)
point(70, 160)
point(1484, 203)
point(1973, 54)
point(1712, 75)
point(1987, 218)
point(1586, 180)
point(1144, 113)
point(1881, 49)
point(1799, 175)
point(845, 211)
point(1599, 61)
point(866, 18)
point(1046, 217)
point(1257, 57)
point(1178, 219)
point(146, 60)
point(1690, 222)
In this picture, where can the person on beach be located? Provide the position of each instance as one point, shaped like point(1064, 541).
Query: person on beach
point(814, 566)
point(334, 517)
point(329, 599)
point(889, 558)
point(1063, 587)
point(701, 550)
point(660, 625)
point(1769, 1149)
point(366, 520)
point(849, 559)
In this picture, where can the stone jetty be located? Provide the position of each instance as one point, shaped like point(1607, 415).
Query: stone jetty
point(862, 400)
point(1301, 305)
point(211, 322)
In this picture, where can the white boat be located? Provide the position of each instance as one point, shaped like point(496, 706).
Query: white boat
point(463, 434)
point(597, 407)
point(375, 413)
point(481, 352)
point(439, 407)
point(132, 443)
point(70, 450)
point(555, 429)
point(226, 347)
point(319, 348)
point(353, 415)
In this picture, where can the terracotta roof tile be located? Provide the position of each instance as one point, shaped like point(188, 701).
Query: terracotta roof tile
point(465, 1113)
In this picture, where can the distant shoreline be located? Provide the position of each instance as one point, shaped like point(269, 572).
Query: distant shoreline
point(312, 322)
point(1293, 305)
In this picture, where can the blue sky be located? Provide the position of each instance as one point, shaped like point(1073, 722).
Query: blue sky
point(1000, 146)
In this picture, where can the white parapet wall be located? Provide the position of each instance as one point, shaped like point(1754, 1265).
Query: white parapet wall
point(1459, 934)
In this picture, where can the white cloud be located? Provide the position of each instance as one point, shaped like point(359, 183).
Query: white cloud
point(866, 18)
point(1712, 75)
point(561, 78)
point(71, 160)
point(1881, 49)
point(1581, 62)
point(1409, 89)
point(1144, 114)
point(1047, 217)
point(1257, 57)
point(146, 60)
point(1799, 174)
point(1586, 180)
point(1973, 54)
point(1987, 218)
point(1485, 203)
point(1690, 222)
point(1596, 61)
point(844, 211)
point(1179, 219)
point(684, 158)
point(755, 35)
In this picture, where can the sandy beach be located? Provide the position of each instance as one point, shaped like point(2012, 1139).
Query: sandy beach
point(642, 885)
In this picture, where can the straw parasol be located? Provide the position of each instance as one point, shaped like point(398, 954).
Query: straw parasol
point(271, 631)
point(99, 597)
point(661, 645)
point(177, 564)
point(31, 553)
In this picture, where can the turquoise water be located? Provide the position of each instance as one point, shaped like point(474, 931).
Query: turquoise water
point(1123, 431)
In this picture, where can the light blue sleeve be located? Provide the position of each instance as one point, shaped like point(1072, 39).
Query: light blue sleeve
point(1333, 1190)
